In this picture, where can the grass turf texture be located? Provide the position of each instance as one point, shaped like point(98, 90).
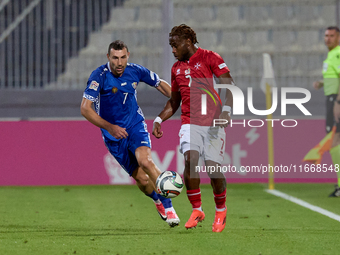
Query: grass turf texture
point(121, 220)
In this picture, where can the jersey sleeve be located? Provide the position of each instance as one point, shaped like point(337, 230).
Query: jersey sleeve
point(217, 64)
point(147, 76)
point(174, 84)
point(94, 84)
point(336, 65)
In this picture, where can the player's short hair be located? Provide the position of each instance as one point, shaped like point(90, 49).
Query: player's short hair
point(117, 45)
point(333, 28)
point(185, 32)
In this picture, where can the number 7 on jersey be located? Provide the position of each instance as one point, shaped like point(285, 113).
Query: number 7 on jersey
point(126, 94)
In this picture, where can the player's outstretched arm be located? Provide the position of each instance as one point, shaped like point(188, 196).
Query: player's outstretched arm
point(86, 109)
point(164, 88)
point(169, 109)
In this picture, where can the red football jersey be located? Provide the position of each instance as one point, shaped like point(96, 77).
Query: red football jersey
point(195, 78)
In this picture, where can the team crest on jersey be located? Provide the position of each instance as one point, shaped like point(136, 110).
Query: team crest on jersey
point(187, 71)
point(94, 85)
point(134, 85)
point(114, 90)
point(198, 65)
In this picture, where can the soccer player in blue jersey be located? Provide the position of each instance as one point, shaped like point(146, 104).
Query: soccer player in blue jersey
point(111, 89)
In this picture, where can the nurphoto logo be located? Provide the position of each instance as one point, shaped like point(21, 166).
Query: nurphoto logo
point(238, 105)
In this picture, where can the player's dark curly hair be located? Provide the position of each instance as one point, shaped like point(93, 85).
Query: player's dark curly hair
point(117, 45)
point(185, 32)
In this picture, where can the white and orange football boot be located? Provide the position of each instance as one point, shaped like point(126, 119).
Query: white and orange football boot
point(172, 218)
point(161, 210)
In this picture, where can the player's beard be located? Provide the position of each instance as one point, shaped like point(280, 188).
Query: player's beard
point(185, 56)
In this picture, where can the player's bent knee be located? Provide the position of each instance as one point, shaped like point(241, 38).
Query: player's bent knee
point(140, 177)
point(143, 180)
point(146, 163)
point(191, 157)
point(191, 162)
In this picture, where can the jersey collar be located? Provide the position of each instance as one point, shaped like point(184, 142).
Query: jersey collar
point(196, 53)
point(108, 67)
point(334, 51)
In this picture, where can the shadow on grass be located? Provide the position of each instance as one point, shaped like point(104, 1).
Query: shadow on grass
point(81, 232)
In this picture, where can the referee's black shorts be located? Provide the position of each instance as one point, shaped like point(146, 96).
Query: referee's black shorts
point(330, 122)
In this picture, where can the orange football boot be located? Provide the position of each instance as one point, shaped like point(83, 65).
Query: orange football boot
point(196, 216)
point(220, 220)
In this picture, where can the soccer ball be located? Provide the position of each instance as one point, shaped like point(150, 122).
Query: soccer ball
point(169, 184)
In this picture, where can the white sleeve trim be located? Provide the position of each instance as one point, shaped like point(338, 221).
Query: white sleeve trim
point(158, 81)
point(91, 98)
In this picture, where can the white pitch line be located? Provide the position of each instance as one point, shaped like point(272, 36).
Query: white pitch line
point(304, 204)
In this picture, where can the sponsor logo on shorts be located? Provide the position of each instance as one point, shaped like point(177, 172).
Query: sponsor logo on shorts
point(144, 142)
point(123, 84)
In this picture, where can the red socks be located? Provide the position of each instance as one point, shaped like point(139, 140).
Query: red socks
point(194, 197)
point(220, 200)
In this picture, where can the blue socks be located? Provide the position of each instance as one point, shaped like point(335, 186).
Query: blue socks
point(153, 195)
point(165, 201)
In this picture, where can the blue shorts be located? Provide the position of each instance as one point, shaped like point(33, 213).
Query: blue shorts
point(123, 150)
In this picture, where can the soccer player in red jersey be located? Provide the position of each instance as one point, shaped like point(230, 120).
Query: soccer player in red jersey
point(192, 80)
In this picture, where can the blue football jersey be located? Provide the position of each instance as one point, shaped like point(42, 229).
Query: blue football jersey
point(115, 98)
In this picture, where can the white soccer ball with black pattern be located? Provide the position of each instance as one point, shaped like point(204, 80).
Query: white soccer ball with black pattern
point(169, 184)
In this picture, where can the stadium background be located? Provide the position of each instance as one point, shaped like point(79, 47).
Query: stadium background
point(48, 49)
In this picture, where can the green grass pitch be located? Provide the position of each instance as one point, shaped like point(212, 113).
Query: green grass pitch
point(121, 220)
